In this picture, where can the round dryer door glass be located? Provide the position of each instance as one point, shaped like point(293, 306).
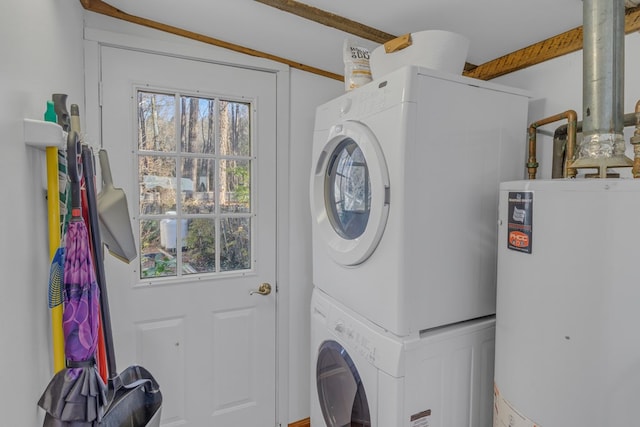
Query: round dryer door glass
point(342, 397)
point(348, 190)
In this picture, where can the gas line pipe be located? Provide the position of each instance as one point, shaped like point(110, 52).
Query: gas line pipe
point(635, 141)
point(572, 119)
point(570, 131)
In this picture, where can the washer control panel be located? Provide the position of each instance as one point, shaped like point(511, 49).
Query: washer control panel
point(356, 339)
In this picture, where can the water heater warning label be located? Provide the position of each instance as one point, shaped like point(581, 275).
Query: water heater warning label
point(505, 415)
point(421, 419)
point(520, 220)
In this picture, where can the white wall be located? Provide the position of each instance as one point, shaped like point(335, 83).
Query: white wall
point(307, 92)
point(557, 86)
point(41, 54)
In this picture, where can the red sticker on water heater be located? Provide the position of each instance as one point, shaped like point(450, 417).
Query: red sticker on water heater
point(520, 221)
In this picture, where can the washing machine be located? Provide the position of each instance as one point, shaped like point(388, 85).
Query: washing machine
point(404, 194)
point(364, 376)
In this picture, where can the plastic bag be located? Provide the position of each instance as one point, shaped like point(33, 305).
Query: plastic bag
point(357, 71)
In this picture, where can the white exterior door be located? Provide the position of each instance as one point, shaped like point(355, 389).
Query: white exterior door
point(187, 314)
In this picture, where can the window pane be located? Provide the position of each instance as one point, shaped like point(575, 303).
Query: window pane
point(200, 253)
point(154, 260)
point(234, 129)
point(156, 124)
point(198, 125)
point(200, 148)
point(157, 180)
point(235, 191)
point(198, 184)
point(235, 244)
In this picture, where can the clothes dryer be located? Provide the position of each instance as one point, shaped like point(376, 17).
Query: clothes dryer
point(404, 195)
point(365, 376)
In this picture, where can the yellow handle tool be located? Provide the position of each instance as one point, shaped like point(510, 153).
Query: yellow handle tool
point(53, 207)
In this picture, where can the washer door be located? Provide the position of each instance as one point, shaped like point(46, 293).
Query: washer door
point(351, 193)
point(342, 397)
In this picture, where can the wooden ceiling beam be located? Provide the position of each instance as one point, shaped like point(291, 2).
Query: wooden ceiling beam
point(335, 21)
point(330, 20)
point(103, 8)
point(554, 47)
point(562, 44)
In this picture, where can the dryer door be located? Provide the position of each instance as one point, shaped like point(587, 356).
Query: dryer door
point(351, 193)
point(342, 396)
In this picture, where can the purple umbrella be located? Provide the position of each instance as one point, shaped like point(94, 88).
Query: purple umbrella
point(77, 394)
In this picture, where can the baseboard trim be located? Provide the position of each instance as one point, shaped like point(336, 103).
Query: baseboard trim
point(302, 423)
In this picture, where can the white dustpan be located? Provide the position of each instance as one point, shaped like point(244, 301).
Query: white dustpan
point(113, 212)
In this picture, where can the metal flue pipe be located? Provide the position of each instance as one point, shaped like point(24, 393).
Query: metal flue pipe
point(603, 143)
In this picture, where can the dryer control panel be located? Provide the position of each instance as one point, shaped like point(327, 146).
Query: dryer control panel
point(362, 103)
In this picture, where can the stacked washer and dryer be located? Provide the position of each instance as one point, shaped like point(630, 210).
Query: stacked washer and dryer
point(404, 199)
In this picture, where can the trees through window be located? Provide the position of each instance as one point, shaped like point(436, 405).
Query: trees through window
point(194, 159)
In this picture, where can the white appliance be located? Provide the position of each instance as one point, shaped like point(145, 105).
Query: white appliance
point(568, 317)
point(404, 192)
point(365, 376)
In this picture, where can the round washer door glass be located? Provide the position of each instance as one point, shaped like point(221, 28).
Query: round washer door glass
point(342, 396)
point(350, 193)
point(348, 190)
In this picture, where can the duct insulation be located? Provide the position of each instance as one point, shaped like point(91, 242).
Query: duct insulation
point(603, 143)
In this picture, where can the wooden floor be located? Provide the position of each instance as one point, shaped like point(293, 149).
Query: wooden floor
point(302, 423)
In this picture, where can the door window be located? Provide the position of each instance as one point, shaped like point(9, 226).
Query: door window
point(194, 178)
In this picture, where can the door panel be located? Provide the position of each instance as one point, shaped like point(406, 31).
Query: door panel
point(209, 343)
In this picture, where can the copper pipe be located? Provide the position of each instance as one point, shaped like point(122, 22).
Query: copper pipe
point(572, 118)
point(559, 151)
point(635, 141)
point(560, 139)
point(572, 131)
point(532, 163)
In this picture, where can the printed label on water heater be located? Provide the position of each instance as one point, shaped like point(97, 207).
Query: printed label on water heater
point(520, 221)
point(421, 419)
point(505, 415)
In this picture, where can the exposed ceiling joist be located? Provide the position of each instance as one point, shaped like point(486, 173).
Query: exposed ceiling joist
point(562, 44)
point(554, 47)
point(103, 8)
point(330, 20)
point(335, 21)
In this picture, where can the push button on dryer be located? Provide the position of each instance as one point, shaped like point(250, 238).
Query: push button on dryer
point(345, 107)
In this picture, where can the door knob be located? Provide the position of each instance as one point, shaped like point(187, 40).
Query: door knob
point(264, 289)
